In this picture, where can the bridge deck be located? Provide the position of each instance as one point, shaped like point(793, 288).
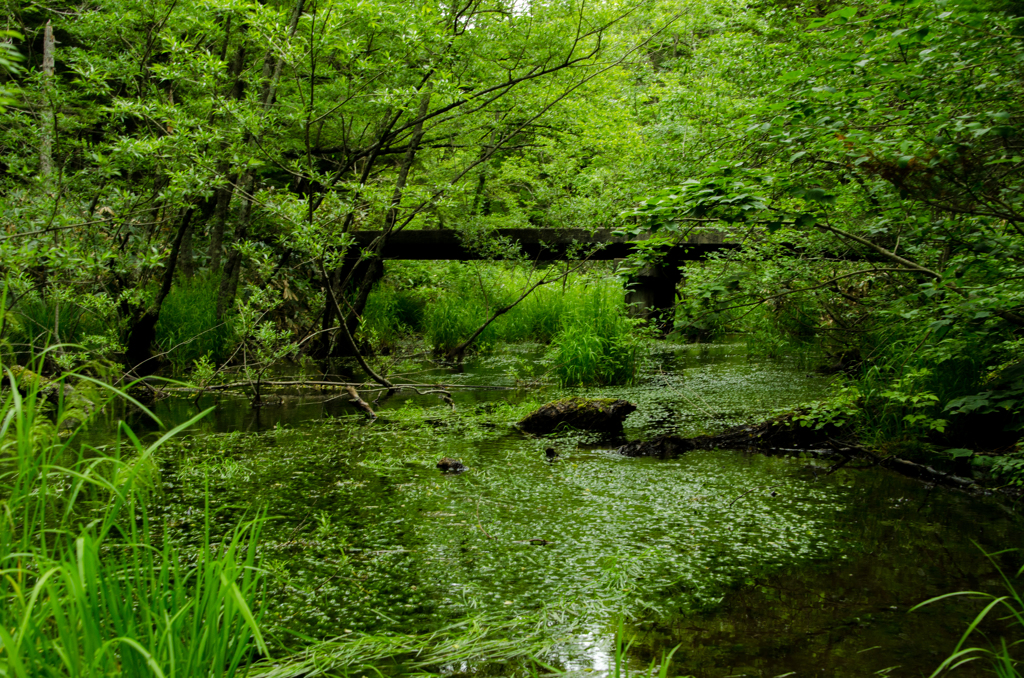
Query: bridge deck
point(537, 244)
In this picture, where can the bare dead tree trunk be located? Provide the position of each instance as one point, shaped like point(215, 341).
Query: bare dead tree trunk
point(49, 121)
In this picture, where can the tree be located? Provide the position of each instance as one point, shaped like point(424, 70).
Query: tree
point(187, 140)
point(893, 157)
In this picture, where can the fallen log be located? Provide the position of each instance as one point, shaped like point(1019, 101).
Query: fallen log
point(781, 436)
point(323, 384)
point(588, 414)
point(928, 474)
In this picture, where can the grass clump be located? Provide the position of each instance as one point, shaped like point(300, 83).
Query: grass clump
point(88, 585)
point(391, 312)
point(1003, 656)
point(597, 344)
point(189, 327)
point(451, 319)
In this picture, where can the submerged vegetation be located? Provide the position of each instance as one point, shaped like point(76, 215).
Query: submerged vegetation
point(351, 552)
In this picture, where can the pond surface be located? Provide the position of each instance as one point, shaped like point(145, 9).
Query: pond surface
point(751, 565)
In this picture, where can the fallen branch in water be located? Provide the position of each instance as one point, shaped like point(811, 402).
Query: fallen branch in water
point(332, 384)
point(478, 523)
point(782, 435)
point(927, 473)
point(753, 489)
point(360, 402)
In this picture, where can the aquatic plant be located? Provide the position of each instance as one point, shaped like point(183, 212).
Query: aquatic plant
point(1004, 656)
point(620, 668)
point(88, 584)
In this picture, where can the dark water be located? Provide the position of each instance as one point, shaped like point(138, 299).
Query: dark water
point(751, 565)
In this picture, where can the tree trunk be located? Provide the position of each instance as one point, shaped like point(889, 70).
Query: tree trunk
point(375, 263)
point(143, 331)
point(49, 119)
point(187, 256)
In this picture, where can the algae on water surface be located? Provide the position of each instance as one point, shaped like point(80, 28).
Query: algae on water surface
point(367, 536)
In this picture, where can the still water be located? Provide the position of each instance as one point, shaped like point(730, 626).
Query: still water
point(750, 565)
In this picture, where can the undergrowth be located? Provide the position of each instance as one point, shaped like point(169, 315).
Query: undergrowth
point(189, 328)
point(583, 318)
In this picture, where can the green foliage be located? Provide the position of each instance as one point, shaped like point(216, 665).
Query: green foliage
point(841, 410)
point(593, 342)
point(1010, 467)
point(89, 586)
point(189, 328)
point(1003, 657)
point(469, 295)
point(878, 189)
point(185, 141)
point(705, 312)
point(452, 319)
point(391, 313)
point(261, 343)
point(598, 344)
point(39, 319)
point(9, 60)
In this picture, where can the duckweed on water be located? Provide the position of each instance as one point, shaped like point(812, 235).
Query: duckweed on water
point(365, 536)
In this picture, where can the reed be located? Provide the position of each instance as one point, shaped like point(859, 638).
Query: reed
point(390, 314)
point(468, 301)
point(37, 321)
point(598, 344)
point(89, 586)
point(1004, 656)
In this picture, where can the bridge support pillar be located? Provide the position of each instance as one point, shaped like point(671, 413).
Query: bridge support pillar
point(651, 294)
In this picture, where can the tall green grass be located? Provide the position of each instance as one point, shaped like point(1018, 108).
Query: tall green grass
point(593, 341)
point(597, 343)
point(88, 586)
point(36, 320)
point(1004, 656)
point(465, 299)
point(390, 314)
point(189, 327)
